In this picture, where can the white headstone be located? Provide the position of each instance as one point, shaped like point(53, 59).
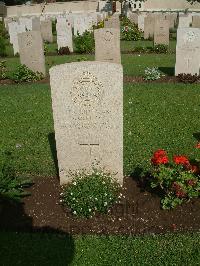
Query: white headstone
point(64, 34)
point(188, 51)
point(107, 45)
point(32, 51)
point(87, 100)
point(14, 28)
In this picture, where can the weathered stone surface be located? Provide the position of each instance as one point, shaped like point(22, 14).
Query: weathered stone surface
point(79, 24)
point(184, 21)
point(133, 17)
point(87, 100)
point(31, 51)
point(112, 22)
point(30, 23)
point(46, 30)
point(149, 22)
point(107, 45)
point(14, 28)
point(188, 51)
point(64, 34)
point(141, 21)
point(172, 18)
point(196, 21)
point(161, 32)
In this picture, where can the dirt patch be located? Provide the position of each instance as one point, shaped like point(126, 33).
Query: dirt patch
point(165, 79)
point(138, 212)
point(127, 79)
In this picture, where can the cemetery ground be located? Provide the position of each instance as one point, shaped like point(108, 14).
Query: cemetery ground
point(156, 115)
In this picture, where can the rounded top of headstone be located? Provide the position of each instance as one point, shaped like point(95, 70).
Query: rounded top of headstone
point(87, 64)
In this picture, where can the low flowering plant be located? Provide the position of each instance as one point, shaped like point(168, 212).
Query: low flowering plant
point(178, 179)
point(90, 193)
point(129, 30)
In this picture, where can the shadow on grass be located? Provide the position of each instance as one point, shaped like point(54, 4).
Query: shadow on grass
point(197, 136)
point(169, 71)
point(52, 143)
point(23, 244)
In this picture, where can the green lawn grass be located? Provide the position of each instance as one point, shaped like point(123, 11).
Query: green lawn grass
point(125, 46)
point(133, 65)
point(155, 116)
point(50, 249)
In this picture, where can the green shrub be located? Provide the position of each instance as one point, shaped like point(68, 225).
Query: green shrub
point(91, 193)
point(177, 180)
point(85, 43)
point(64, 51)
point(24, 74)
point(2, 47)
point(54, 32)
point(11, 186)
point(3, 70)
point(141, 49)
point(3, 31)
point(161, 48)
point(45, 49)
point(130, 31)
point(99, 25)
point(152, 73)
point(81, 58)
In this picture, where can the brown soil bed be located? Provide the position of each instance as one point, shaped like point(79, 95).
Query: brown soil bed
point(127, 79)
point(138, 213)
point(165, 79)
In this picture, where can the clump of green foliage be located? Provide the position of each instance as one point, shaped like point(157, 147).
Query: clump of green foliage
point(90, 193)
point(152, 73)
point(129, 30)
point(2, 46)
point(99, 25)
point(85, 43)
point(3, 70)
point(178, 180)
point(24, 74)
point(141, 49)
point(11, 186)
point(3, 31)
point(161, 48)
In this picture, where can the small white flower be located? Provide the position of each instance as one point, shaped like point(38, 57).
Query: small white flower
point(89, 210)
point(61, 193)
point(105, 194)
point(74, 183)
point(74, 212)
point(61, 200)
point(105, 203)
point(73, 198)
point(71, 193)
point(96, 199)
point(18, 146)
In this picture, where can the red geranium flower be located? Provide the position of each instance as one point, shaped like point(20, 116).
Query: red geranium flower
point(159, 153)
point(194, 169)
point(160, 157)
point(181, 160)
point(180, 193)
point(197, 145)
